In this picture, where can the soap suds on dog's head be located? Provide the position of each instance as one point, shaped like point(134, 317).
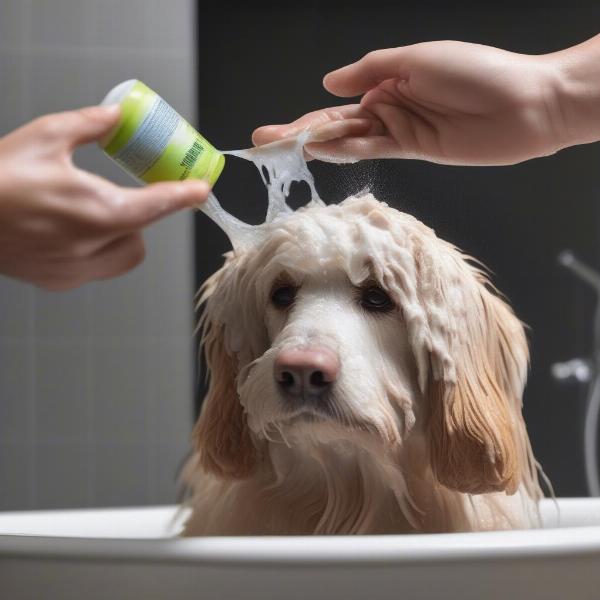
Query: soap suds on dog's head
point(279, 164)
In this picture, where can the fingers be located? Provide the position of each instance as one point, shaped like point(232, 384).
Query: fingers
point(325, 132)
point(139, 207)
point(104, 239)
point(353, 149)
point(111, 260)
point(338, 129)
point(335, 122)
point(91, 123)
point(340, 134)
point(370, 70)
point(116, 258)
point(82, 126)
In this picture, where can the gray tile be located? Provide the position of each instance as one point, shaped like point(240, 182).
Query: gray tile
point(118, 306)
point(15, 391)
point(171, 406)
point(171, 25)
point(170, 288)
point(109, 71)
point(59, 83)
point(119, 389)
point(121, 474)
point(63, 315)
point(12, 22)
point(13, 79)
point(62, 475)
point(118, 24)
point(61, 401)
point(15, 473)
point(142, 24)
point(60, 23)
point(16, 308)
point(169, 460)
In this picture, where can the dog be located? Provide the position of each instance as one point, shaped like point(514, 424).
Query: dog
point(364, 378)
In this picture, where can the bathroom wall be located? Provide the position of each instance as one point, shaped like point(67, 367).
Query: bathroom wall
point(516, 219)
point(96, 384)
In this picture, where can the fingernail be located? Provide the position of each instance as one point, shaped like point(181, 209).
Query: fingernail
point(197, 192)
point(198, 185)
point(111, 109)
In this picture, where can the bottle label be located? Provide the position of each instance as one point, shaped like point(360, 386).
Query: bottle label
point(150, 140)
point(154, 143)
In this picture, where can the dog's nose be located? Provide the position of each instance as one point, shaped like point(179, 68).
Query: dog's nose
point(306, 371)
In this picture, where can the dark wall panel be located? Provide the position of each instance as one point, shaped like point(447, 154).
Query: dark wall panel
point(264, 64)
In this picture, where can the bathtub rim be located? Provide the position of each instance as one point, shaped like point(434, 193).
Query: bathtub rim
point(299, 551)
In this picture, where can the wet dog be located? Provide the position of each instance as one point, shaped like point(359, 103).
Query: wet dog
point(364, 378)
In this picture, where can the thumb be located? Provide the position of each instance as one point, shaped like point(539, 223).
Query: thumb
point(369, 71)
point(85, 125)
point(142, 206)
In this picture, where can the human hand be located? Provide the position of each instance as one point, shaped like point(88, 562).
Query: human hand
point(447, 102)
point(61, 226)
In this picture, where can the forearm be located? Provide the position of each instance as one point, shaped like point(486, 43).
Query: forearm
point(578, 92)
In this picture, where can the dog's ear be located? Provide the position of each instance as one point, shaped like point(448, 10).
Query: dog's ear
point(476, 431)
point(471, 356)
point(221, 435)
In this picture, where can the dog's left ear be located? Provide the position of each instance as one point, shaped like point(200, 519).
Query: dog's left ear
point(221, 435)
point(477, 434)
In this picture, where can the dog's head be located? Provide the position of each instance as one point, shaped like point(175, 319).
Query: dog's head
point(356, 320)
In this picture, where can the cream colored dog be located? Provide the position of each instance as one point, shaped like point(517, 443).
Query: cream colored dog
point(364, 378)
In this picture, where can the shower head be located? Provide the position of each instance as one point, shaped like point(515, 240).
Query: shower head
point(568, 260)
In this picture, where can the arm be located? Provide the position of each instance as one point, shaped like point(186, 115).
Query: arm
point(61, 226)
point(456, 103)
point(579, 91)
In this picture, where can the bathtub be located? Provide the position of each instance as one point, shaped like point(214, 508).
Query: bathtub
point(130, 553)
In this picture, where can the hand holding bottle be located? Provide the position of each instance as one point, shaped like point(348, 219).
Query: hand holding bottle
point(61, 226)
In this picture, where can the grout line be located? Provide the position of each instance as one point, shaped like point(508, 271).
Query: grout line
point(89, 19)
point(83, 51)
point(152, 366)
point(150, 408)
point(91, 397)
point(30, 387)
point(25, 93)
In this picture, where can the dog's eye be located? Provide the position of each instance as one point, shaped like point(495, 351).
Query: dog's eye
point(373, 298)
point(283, 296)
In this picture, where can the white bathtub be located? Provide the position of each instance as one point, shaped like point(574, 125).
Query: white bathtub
point(127, 553)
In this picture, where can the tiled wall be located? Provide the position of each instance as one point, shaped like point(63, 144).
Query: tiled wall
point(96, 384)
